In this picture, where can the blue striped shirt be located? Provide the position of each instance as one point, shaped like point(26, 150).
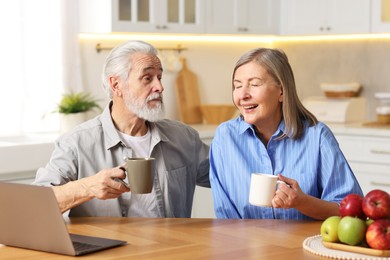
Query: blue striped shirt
point(315, 161)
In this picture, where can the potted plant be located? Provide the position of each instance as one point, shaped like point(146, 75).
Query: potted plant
point(73, 108)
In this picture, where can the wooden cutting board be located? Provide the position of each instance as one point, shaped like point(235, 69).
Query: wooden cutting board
point(356, 249)
point(187, 95)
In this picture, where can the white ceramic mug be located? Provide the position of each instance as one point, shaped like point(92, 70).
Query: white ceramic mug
point(262, 189)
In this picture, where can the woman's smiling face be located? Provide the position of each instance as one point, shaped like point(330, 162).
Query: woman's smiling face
point(257, 95)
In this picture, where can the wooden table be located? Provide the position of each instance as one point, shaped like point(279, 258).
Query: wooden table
point(149, 238)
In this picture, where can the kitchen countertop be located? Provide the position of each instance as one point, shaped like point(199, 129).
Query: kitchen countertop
point(205, 130)
point(370, 129)
point(15, 147)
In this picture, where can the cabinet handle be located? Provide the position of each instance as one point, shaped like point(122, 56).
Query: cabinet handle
point(321, 28)
point(374, 183)
point(161, 27)
point(379, 151)
point(328, 28)
point(242, 29)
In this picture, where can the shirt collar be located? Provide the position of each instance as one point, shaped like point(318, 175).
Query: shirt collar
point(157, 134)
point(111, 136)
point(244, 126)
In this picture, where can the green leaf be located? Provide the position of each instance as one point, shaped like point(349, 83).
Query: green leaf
point(77, 102)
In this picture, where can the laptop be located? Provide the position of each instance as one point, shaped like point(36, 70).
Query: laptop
point(30, 218)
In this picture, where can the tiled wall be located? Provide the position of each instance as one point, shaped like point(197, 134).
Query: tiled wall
point(313, 62)
point(363, 61)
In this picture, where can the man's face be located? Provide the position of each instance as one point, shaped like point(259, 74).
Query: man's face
point(143, 89)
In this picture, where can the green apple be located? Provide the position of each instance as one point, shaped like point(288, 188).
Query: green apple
point(369, 221)
point(329, 229)
point(351, 230)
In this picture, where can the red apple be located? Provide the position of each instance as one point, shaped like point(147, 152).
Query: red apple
point(376, 204)
point(378, 234)
point(351, 206)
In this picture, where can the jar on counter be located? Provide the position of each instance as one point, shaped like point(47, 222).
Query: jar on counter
point(383, 109)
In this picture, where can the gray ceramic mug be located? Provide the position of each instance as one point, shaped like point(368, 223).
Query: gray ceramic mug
point(140, 174)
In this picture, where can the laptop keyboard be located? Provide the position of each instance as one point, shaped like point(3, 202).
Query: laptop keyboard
point(80, 247)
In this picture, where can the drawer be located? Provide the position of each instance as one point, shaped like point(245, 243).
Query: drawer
point(372, 176)
point(365, 149)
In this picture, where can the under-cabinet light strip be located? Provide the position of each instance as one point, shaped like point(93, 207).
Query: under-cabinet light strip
point(229, 38)
point(178, 38)
point(99, 47)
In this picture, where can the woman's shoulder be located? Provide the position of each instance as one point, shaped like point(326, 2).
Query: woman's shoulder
point(319, 126)
point(321, 130)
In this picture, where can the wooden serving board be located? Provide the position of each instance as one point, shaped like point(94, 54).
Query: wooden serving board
point(187, 96)
point(356, 249)
point(376, 125)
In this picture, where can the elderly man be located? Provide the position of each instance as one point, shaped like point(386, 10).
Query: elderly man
point(86, 161)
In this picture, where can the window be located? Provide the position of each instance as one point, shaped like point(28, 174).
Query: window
point(30, 65)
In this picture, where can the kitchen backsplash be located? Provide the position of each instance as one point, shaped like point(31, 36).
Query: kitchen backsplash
point(313, 62)
point(363, 61)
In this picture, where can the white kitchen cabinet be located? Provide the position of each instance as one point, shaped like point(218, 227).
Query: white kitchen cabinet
point(369, 158)
point(380, 16)
point(371, 178)
point(22, 155)
point(203, 204)
point(153, 16)
point(242, 16)
point(319, 17)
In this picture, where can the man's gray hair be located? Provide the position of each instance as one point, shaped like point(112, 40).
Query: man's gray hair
point(119, 62)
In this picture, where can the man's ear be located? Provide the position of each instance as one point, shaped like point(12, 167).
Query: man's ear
point(115, 86)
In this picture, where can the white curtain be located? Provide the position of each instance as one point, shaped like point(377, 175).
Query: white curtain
point(39, 60)
point(72, 77)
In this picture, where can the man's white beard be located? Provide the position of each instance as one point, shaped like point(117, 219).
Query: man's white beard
point(140, 107)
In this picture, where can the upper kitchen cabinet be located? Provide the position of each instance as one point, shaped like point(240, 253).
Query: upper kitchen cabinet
point(317, 17)
point(242, 16)
point(152, 16)
point(380, 16)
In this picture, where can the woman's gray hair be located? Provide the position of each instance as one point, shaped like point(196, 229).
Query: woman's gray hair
point(276, 63)
point(119, 62)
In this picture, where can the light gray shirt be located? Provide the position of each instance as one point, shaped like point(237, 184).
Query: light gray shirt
point(182, 161)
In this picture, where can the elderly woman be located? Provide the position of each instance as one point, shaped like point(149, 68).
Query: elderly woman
point(275, 134)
